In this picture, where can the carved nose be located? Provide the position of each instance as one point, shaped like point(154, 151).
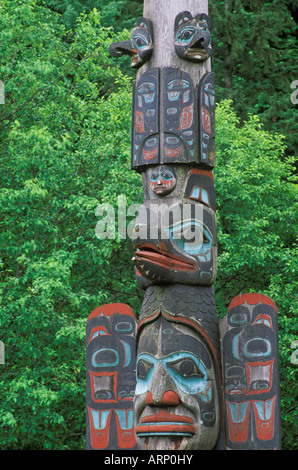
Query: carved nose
point(201, 40)
point(169, 398)
point(199, 43)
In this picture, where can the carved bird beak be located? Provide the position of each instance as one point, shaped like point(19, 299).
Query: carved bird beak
point(117, 49)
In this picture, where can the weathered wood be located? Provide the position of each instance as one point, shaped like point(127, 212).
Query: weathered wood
point(251, 373)
point(163, 14)
point(110, 377)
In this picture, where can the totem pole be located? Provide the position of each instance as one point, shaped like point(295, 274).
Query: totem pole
point(178, 392)
point(170, 396)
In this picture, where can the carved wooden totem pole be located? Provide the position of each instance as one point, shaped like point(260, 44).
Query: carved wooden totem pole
point(180, 401)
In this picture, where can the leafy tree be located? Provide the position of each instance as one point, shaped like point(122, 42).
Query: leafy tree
point(257, 233)
point(64, 149)
point(254, 59)
point(254, 53)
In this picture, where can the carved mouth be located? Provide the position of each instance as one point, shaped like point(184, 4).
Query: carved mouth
point(165, 424)
point(161, 189)
point(148, 253)
point(135, 60)
point(194, 51)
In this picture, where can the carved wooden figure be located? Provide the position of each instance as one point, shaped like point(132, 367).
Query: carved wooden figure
point(179, 399)
point(110, 377)
point(251, 373)
point(176, 242)
point(140, 45)
point(173, 120)
point(178, 394)
point(192, 37)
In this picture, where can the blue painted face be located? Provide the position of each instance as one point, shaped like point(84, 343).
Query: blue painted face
point(176, 396)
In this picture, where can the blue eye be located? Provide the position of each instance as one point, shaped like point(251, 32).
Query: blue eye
point(154, 176)
point(188, 372)
point(191, 237)
point(167, 175)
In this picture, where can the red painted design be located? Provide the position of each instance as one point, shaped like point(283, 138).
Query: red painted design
point(252, 299)
point(126, 436)
point(99, 437)
point(111, 309)
point(206, 120)
point(100, 329)
point(163, 421)
point(238, 430)
point(140, 122)
point(149, 398)
point(173, 152)
point(148, 252)
point(265, 427)
point(264, 319)
point(186, 118)
point(149, 154)
point(201, 172)
point(170, 398)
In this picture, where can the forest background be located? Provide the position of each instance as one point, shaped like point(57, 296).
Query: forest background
point(65, 120)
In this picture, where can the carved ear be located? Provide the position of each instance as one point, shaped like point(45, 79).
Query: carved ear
point(145, 23)
point(182, 18)
point(203, 17)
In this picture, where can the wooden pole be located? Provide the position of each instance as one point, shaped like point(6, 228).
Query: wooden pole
point(163, 14)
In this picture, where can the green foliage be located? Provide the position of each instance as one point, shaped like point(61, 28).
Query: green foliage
point(257, 232)
point(254, 58)
point(65, 149)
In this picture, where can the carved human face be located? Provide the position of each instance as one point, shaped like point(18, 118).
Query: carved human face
point(176, 398)
point(192, 37)
point(162, 180)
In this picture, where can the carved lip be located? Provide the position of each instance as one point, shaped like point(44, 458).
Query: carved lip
point(161, 188)
point(164, 423)
point(134, 58)
point(148, 252)
point(193, 51)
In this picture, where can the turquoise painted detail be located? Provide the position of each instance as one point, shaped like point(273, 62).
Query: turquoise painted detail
point(192, 383)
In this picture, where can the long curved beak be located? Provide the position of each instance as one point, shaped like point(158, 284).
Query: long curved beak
point(117, 49)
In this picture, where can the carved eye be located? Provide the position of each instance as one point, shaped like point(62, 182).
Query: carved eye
point(103, 395)
point(191, 237)
point(140, 41)
point(154, 176)
point(185, 35)
point(143, 368)
point(167, 175)
point(186, 367)
point(193, 233)
point(203, 25)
